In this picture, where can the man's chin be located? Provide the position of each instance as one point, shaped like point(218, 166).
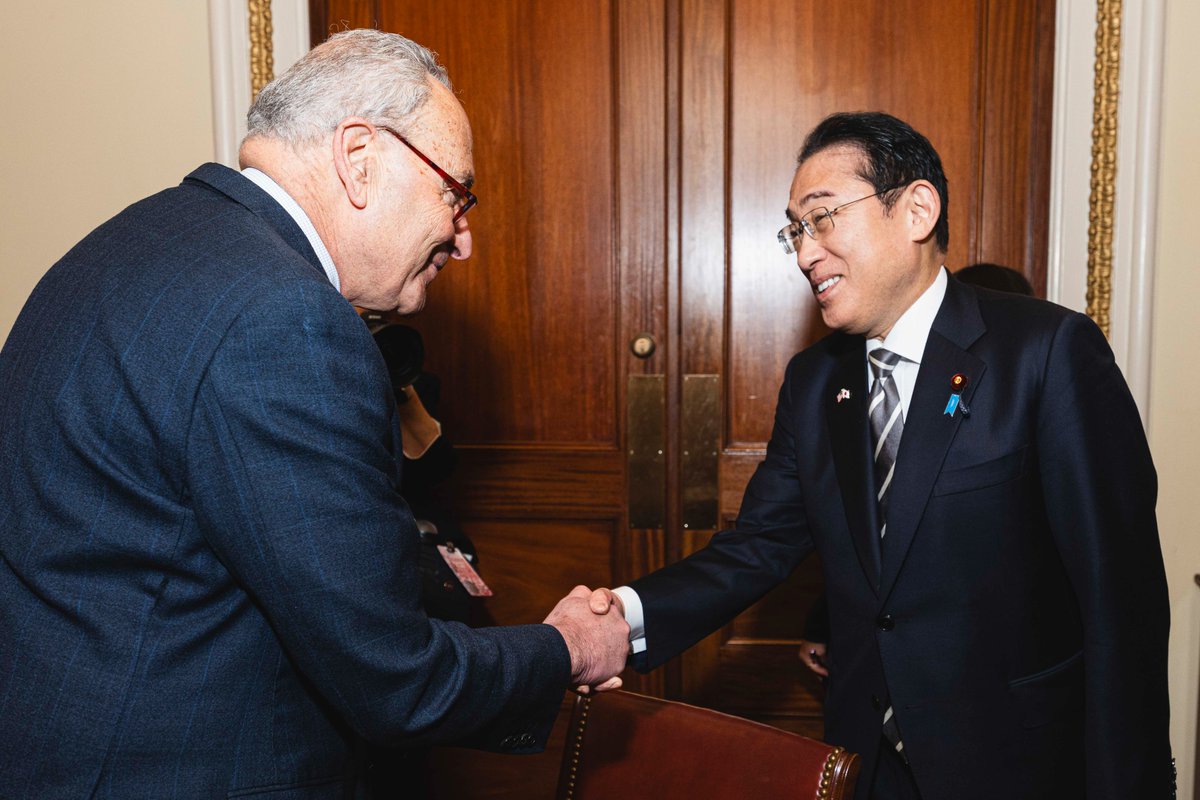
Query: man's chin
point(409, 306)
point(839, 322)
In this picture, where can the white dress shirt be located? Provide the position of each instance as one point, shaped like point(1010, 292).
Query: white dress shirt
point(906, 339)
point(264, 181)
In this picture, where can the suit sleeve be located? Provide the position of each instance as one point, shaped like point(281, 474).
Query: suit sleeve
point(293, 477)
point(687, 600)
point(1100, 488)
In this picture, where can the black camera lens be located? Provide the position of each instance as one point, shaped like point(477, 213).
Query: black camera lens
point(403, 352)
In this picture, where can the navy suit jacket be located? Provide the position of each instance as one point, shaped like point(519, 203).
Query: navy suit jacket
point(1016, 613)
point(208, 582)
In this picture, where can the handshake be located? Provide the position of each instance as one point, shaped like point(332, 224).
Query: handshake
point(592, 623)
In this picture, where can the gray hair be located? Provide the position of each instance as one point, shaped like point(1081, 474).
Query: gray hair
point(366, 73)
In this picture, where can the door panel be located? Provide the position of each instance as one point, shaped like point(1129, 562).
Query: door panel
point(633, 159)
point(544, 235)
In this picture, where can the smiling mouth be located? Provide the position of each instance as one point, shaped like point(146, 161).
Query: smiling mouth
point(826, 284)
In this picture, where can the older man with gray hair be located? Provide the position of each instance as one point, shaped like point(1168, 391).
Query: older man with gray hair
point(208, 581)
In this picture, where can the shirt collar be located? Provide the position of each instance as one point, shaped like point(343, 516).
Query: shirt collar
point(265, 182)
point(908, 336)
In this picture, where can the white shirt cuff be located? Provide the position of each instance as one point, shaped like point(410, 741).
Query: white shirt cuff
point(634, 617)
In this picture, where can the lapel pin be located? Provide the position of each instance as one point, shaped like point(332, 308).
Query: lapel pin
point(957, 383)
point(844, 394)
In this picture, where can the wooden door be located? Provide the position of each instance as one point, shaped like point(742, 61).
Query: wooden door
point(633, 159)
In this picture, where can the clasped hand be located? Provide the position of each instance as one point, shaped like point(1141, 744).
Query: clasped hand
point(593, 626)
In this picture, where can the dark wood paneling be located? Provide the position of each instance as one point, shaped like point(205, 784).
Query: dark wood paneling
point(1015, 112)
point(703, 185)
point(519, 482)
point(530, 564)
point(642, 181)
point(328, 18)
point(524, 334)
point(771, 685)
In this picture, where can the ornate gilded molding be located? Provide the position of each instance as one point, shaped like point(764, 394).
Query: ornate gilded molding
point(262, 56)
point(1104, 161)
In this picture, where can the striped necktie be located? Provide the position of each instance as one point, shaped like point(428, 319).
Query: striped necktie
point(887, 425)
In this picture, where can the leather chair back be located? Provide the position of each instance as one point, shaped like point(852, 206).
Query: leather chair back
point(629, 746)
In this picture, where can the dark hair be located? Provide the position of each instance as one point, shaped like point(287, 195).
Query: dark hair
point(994, 276)
point(894, 156)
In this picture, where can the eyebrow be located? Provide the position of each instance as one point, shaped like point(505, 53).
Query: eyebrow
point(814, 196)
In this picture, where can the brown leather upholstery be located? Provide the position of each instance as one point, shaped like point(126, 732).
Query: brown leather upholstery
point(629, 746)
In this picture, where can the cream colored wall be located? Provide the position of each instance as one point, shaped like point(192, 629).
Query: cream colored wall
point(1175, 372)
point(104, 103)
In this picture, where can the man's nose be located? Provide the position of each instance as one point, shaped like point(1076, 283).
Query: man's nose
point(808, 252)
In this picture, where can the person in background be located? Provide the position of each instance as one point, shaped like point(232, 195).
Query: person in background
point(815, 639)
point(973, 472)
point(208, 579)
point(429, 461)
point(995, 276)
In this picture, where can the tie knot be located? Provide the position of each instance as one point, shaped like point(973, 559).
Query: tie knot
point(882, 362)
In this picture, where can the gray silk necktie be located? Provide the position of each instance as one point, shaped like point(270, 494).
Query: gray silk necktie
point(887, 425)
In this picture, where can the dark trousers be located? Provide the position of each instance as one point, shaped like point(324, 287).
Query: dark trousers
point(893, 780)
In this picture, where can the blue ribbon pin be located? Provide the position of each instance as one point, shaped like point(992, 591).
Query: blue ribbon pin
point(957, 384)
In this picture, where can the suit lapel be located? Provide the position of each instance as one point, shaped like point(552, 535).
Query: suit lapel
point(851, 442)
point(928, 431)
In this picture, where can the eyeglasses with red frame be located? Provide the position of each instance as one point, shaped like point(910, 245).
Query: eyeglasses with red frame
point(467, 199)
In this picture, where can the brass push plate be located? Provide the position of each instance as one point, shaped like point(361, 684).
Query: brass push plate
point(701, 431)
point(646, 405)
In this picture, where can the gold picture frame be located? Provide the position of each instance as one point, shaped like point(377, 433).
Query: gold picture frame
point(1106, 92)
point(262, 49)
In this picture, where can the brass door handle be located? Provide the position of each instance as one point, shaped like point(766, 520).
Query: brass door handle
point(643, 345)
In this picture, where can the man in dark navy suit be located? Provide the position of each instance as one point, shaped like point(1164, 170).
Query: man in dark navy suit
point(974, 474)
point(208, 580)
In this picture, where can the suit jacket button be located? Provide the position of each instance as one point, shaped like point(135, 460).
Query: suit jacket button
point(507, 743)
point(885, 622)
point(875, 704)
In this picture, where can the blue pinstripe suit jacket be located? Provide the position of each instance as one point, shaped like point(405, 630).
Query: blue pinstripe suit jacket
point(208, 580)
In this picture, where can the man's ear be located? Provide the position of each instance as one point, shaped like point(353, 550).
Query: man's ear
point(923, 208)
point(352, 158)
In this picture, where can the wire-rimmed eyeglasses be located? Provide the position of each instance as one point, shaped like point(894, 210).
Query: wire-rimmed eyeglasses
point(815, 223)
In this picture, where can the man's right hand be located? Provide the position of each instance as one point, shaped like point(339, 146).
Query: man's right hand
point(598, 642)
point(812, 655)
